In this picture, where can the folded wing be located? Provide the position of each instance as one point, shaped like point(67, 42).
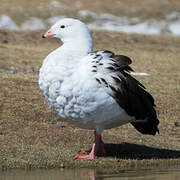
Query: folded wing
point(113, 74)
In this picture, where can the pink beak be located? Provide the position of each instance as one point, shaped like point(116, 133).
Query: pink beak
point(48, 34)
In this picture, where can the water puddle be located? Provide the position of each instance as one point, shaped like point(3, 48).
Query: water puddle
point(90, 174)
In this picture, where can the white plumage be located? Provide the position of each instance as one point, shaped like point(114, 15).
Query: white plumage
point(78, 83)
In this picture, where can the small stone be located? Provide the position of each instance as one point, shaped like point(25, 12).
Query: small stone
point(126, 136)
point(59, 124)
point(31, 70)
point(61, 165)
point(177, 124)
point(169, 127)
point(13, 70)
point(5, 41)
point(1, 130)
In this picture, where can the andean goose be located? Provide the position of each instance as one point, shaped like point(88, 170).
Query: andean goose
point(93, 89)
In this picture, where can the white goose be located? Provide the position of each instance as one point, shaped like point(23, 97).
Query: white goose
point(93, 89)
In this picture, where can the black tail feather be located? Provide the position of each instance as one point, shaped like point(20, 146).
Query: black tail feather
point(147, 127)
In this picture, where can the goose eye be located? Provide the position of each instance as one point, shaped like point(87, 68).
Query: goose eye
point(62, 26)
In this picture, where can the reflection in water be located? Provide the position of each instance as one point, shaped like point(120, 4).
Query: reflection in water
point(89, 174)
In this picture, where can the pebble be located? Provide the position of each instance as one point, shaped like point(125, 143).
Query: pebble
point(177, 124)
point(59, 124)
point(5, 41)
point(13, 70)
point(126, 136)
point(1, 129)
point(61, 165)
point(171, 128)
point(31, 70)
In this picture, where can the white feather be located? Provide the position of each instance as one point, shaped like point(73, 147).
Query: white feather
point(70, 86)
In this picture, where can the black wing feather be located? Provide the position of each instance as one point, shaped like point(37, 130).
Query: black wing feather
point(129, 93)
point(132, 96)
point(137, 102)
point(122, 59)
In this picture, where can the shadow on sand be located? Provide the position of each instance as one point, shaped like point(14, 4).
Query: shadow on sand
point(134, 151)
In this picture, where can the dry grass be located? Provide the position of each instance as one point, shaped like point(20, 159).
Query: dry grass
point(21, 10)
point(29, 136)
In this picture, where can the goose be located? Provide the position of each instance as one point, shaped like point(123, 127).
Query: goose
point(93, 89)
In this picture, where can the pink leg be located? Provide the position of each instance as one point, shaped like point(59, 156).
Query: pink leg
point(97, 148)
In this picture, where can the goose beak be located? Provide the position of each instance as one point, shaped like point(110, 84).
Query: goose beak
point(48, 34)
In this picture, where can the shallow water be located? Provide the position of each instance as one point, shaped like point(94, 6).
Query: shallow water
point(90, 174)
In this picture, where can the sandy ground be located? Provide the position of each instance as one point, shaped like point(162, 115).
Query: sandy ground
point(29, 134)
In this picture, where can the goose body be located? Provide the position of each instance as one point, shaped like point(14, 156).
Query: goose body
point(93, 89)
